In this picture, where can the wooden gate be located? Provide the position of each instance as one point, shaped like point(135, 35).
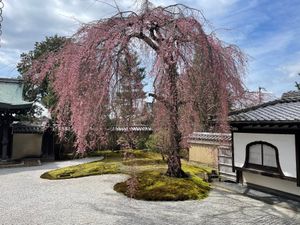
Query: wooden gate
point(225, 163)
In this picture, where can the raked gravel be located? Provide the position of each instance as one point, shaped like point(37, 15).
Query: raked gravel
point(27, 199)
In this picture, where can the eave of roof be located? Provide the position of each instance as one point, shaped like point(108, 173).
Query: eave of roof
point(11, 80)
point(6, 106)
point(18, 109)
point(267, 122)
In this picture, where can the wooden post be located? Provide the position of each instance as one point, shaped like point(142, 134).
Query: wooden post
point(5, 136)
point(4, 141)
point(297, 139)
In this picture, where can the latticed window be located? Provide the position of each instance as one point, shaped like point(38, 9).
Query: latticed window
point(262, 156)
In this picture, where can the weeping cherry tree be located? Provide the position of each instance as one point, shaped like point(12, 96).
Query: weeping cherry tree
point(86, 70)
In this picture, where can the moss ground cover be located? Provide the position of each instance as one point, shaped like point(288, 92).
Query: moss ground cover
point(82, 170)
point(148, 170)
point(155, 186)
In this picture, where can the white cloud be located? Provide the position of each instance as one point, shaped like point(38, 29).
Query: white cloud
point(271, 43)
point(214, 8)
point(8, 56)
point(292, 69)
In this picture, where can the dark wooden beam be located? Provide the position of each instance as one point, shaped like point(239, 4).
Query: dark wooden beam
point(6, 120)
point(232, 151)
point(4, 143)
point(297, 142)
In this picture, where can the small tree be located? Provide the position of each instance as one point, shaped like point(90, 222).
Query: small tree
point(89, 66)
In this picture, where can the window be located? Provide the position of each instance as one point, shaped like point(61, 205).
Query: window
point(262, 156)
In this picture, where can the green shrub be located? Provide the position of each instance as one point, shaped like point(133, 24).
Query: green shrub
point(151, 143)
point(141, 142)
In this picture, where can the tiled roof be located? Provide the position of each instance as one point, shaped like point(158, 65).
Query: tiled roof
point(132, 128)
point(286, 109)
point(24, 128)
point(204, 137)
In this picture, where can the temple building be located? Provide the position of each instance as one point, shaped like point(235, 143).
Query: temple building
point(17, 141)
point(266, 145)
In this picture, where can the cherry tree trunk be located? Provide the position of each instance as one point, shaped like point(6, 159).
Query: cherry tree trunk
point(174, 163)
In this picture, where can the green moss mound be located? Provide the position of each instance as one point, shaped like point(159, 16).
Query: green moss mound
point(82, 170)
point(150, 183)
point(155, 186)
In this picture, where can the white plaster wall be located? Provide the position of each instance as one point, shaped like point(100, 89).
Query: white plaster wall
point(270, 182)
point(284, 142)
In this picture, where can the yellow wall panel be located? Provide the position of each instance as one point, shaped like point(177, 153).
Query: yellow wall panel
point(204, 153)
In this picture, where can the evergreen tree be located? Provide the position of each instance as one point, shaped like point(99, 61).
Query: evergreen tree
point(129, 99)
point(43, 92)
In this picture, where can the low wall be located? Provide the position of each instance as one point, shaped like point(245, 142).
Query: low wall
point(205, 147)
point(26, 145)
point(204, 153)
point(271, 182)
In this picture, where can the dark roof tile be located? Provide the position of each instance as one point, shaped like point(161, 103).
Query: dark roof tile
point(200, 137)
point(285, 109)
point(25, 128)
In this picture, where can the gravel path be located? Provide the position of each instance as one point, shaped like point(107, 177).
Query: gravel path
point(27, 199)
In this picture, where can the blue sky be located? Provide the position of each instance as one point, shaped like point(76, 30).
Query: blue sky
point(266, 30)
